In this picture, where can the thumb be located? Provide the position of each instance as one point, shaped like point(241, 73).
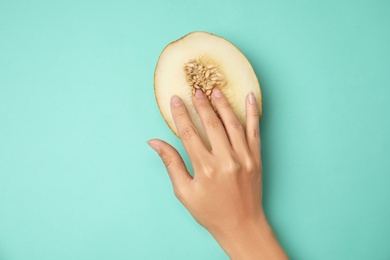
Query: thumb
point(172, 160)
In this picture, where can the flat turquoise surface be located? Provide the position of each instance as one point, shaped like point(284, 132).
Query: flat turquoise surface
point(77, 180)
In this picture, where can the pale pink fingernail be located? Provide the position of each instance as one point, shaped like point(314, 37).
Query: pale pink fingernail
point(217, 93)
point(153, 146)
point(251, 98)
point(199, 93)
point(175, 100)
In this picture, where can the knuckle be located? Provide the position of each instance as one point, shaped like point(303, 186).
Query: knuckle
point(167, 161)
point(253, 111)
point(202, 104)
point(232, 167)
point(213, 123)
point(235, 124)
point(207, 169)
point(249, 165)
point(224, 105)
point(180, 114)
point(255, 133)
point(187, 132)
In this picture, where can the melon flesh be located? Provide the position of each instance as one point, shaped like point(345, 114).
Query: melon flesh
point(171, 77)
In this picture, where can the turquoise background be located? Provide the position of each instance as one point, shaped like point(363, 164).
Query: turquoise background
point(78, 181)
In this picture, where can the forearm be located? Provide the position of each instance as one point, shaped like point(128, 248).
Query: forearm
point(250, 240)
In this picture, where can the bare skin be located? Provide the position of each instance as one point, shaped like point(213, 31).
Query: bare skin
point(225, 194)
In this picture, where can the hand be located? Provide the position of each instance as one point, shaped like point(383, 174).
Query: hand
point(225, 194)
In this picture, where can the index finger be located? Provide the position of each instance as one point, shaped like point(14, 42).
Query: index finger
point(186, 130)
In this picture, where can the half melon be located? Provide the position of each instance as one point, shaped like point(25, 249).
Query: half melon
point(201, 60)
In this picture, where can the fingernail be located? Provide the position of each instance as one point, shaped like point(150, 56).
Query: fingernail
point(199, 93)
point(217, 93)
point(251, 98)
point(154, 146)
point(175, 100)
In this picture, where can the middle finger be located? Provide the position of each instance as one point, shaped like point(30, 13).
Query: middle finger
point(212, 124)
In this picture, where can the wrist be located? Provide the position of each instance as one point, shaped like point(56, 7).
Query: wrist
point(249, 239)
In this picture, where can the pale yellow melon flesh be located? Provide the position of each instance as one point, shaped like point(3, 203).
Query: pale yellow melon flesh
point(171, 77)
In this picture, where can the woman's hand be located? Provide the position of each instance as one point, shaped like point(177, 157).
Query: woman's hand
point(224, 196)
